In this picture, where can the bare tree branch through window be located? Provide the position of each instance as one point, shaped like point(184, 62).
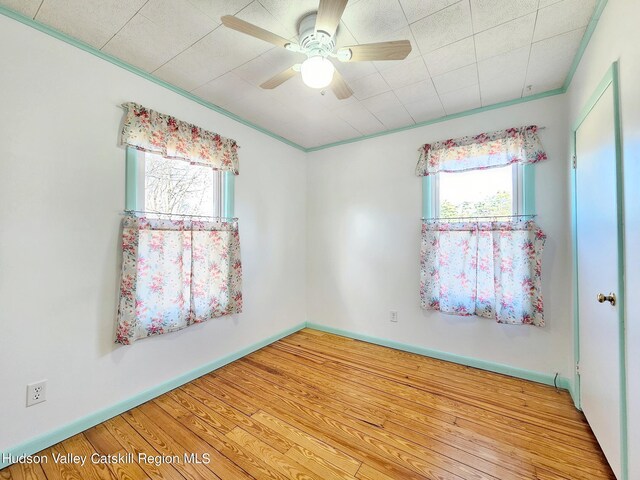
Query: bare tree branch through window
point(174, 186)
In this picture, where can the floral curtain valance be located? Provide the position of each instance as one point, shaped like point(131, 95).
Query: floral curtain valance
point(486, 150)
point(487, 269)
point(155, 132)
point(176, 273)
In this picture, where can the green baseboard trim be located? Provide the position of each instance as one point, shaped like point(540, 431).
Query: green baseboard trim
point(572, 392)
point(59, 434)
point(538, 377)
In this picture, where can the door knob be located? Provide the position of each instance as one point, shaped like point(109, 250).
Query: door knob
point(611, 298)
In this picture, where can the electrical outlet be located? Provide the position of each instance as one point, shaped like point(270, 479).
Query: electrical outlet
point(393, 316)
point(36, 392)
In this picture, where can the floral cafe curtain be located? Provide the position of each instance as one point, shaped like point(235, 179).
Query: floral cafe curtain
point(176, 273)
point(486, 150)
point(154, 132)
point(488, 269)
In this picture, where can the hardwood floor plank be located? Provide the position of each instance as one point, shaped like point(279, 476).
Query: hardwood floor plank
point(79, 445)
point(453, 438)
point(317, 464)
point(215, 418)
point(542, 474)
point(192, 443)
point(479, 396)
point(157, 428)
point(102, 440)
point(221, 443)
point(25, 471)
point(367, 415)
point(238, 404)
point(277, 461)
point(461, 455)
point(440, 432)
point(357, 351)
point(59, 470)
point(310, 331)
point(544, 450)
point(440, 368)
point(368, 473)
point(534, 443)
point(342, 441)
point(410, 456)
point(135, 444)
point(202, 395)
point(405, 448)
point(301, 439)
point(319, 406)
point(561, 446)
point(501, 417)
point(392, 407)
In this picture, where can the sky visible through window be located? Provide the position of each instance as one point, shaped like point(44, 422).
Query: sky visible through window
point(175, 186)
point(476, 193)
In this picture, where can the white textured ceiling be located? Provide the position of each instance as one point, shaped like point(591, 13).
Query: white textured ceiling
point(466, 54)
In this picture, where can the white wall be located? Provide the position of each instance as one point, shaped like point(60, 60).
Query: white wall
point(617, 37)
point(364, 209)
point(357, 205)
point(61, 196)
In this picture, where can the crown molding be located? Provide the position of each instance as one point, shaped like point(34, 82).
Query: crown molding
point(141, 73)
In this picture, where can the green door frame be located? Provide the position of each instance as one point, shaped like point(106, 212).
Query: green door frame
point(610, 79)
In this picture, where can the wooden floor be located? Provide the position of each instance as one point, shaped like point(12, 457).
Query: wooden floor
point(315, 405)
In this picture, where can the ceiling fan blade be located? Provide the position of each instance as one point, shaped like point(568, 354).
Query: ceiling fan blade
point(250, 29)
point(340, 87)
point(329, 14)
point(396, 50)
point(279, 79)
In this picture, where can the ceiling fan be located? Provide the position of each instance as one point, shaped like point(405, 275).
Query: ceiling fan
point(317, 42)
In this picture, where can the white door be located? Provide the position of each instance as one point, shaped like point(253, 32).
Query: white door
point(597, 254)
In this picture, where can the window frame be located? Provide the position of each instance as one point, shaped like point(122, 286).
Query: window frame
point(523, 192)
point(135, 186)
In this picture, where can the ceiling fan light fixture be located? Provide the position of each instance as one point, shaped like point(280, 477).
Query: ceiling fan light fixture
point(317, 40)
point(317, 72)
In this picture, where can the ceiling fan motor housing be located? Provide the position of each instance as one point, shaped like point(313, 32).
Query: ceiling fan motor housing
point(314, 43)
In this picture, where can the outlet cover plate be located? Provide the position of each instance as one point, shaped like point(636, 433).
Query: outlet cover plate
point(36, 393)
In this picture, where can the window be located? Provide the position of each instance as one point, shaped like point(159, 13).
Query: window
point(161, 185)
point(176, 271)
point(472, 265)
point(493, 192)
point(180, 243)
point(487, 261)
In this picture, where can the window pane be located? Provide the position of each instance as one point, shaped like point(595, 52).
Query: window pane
point(174, 186)
point(476, 193)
